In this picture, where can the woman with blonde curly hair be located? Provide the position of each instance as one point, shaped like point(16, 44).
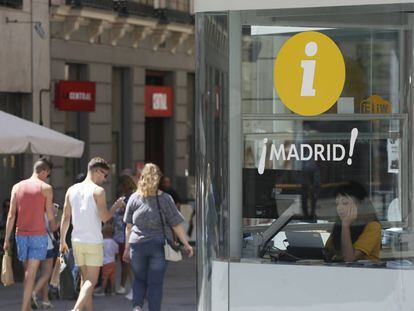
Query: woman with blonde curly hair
point(144, 245)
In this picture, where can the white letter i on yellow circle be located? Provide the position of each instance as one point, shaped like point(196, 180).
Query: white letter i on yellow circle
point(308, 67)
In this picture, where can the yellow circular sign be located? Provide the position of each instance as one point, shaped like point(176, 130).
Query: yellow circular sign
point(309, 73)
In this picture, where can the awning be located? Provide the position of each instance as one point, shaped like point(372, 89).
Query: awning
point(241, 5)
point(21, 136)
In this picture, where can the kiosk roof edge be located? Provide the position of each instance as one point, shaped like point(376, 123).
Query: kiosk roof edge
point(236, 5)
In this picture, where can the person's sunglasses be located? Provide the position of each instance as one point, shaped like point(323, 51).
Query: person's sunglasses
point(104, 173)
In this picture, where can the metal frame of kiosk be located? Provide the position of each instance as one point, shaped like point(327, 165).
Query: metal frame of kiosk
point(232, 275)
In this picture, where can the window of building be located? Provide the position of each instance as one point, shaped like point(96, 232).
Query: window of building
point(145, 2)
point(15, 4)
point(178, 5)
point(307, 158)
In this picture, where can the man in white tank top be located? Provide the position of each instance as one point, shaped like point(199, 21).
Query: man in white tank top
point(85, 202)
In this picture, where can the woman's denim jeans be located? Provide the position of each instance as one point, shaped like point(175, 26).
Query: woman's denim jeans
point(149, 265)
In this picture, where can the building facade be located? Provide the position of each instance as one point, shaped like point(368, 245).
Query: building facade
point(24, 76)
point(125, 48)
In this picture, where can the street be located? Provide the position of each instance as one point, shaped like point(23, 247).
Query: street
point(179, 293)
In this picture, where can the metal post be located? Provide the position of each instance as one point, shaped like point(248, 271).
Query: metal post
point(235, 134)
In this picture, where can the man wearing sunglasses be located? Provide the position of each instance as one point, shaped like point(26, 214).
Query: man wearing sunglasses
point(85, 202)
point(30, 199)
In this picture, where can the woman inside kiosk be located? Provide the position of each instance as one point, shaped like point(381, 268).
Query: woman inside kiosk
point(356, 234)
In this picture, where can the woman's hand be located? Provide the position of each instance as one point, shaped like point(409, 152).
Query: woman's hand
point(189, 250)
point(126, 256)
point(119, 203)
point(347, 213)
point(63, 248)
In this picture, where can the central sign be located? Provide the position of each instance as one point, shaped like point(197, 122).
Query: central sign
point(75, 95)
point(309, 73)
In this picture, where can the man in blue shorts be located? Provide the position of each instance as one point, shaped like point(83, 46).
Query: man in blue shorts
point(30, 199)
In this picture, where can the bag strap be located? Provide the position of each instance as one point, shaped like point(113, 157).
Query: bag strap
point(50, 236)
point(162, 219)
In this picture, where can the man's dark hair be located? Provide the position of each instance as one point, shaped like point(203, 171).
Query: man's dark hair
point(43, 164)
point(98, 162)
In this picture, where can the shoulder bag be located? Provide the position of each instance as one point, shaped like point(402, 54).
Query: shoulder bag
point(172, 252)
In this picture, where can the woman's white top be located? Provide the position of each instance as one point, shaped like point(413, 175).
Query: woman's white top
point(87, 224)
point(49, 234)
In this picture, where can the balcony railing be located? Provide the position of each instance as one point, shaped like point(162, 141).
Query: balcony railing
point(141, 8)
point(15, 4)
point(175, 10)
point(178, 5)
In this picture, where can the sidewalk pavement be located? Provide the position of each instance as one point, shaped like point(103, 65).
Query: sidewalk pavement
point(179, 293)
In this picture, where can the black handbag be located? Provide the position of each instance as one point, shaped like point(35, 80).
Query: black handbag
point(67, 285)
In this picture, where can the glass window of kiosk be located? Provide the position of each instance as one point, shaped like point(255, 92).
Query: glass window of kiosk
point(211, 113)
point(299, 172)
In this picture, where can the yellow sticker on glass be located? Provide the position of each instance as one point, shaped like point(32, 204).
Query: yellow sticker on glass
point(309, 73)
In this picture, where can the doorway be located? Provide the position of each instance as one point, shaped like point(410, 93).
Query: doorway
point(154, 141)
point(155, 127)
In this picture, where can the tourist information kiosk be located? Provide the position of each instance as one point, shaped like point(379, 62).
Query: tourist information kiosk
point(297, 100)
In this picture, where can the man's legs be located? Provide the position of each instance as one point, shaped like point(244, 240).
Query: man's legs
point(88, 304)
point(31, 267)
point(43, 281)
point(31, 250)
point(89, 278)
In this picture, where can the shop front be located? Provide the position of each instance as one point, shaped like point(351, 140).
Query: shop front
point(304, 155)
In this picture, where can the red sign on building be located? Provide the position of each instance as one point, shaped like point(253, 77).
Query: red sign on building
point(75, 95)
point(158, 101)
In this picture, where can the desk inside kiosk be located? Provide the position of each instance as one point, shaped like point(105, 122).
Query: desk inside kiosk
point(281, 224)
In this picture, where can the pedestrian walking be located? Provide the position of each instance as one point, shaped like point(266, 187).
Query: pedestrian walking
point(166, 186)
point(75, 269)
point(145, 237)
point(46, 268)
point(111, 251)
point(126, 187)
point(30, 199)
point(85, 203)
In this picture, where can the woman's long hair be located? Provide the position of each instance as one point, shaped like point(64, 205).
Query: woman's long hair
point(149, 181)
point(126, 185)
point(365, 211)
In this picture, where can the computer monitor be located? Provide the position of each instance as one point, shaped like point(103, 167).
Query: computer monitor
point(305, 244)
point(269, 194)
